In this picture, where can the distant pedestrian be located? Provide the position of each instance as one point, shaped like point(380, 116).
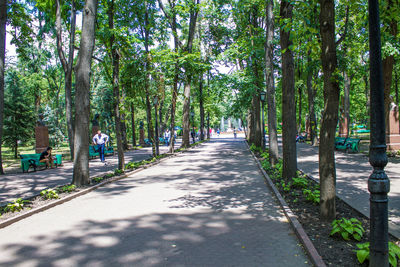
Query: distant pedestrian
point(167, 137)
point(234, 132)
point(100, 139)
point(218, 132)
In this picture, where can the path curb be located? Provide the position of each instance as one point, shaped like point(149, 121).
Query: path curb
point(71, 196)
point(315, 258)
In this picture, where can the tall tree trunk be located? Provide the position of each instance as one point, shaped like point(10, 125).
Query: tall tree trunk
point(133, 125)
point(67, 67)
point(288, 98)
point(186, 109)
point(255, 118)
point(396, 88)
point(82, 99)
point(124, 135)
point(3, 20)
point(115, 84)
point(311, 105)
point(201, 108)
point(346, 102)
point(270, 83)
point(300, 93)
point(327, 171)
point(174, 89)
point(188, 79)
point(150, 130)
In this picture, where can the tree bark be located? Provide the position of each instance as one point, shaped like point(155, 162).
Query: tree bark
point(115, 84)
point(255, 136)
point(288, 98)
point(327, 171)
point(311, 106)
point(82, 99)
point(188, 79)
point(201, 108)
point(133, 125)
point(3, 21)
point(346, 102)
point(67, 67)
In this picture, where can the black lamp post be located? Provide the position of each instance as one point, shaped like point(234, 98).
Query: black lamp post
point(192, 115)
point(262, 97)
point(378, 182)
point(155, 102)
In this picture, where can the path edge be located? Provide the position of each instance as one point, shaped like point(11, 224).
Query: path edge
point(312, 252)
point(82, 192)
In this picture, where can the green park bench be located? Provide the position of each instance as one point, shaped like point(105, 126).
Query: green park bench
point(94, 153)
point(32, 161)
point(347, 144)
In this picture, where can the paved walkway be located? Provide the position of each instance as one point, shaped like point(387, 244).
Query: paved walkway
point(206, 207)
point(352, 171)
point(26, 185)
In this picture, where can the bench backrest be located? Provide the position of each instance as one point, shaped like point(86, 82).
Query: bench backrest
point(30, 156)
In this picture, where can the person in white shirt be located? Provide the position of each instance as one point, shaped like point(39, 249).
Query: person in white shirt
point(100, 140)
point(167, 137)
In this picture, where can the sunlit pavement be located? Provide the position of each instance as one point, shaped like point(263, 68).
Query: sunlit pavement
point(352, 171)
point(206, 207)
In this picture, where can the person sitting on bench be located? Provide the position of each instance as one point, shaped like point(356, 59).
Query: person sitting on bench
point(47, 158)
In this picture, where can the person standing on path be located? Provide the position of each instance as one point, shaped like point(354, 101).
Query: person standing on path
point(100, 140)
point(167, 136)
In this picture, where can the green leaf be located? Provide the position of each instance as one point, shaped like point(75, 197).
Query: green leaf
point(357, 237)
point(362, 255)
point(345, 235)
point(334, 231)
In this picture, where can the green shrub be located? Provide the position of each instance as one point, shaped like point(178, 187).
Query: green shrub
point(348, 228)
point(363, 253)
point(17, 205)
point(97, 179)
point(313, 196)
point(118, 172)
point(300, 182)
point(67, 188)
point(49, 194)
point(109, 175)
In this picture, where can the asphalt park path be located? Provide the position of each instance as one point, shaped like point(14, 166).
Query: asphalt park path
point(25, 185)
point(208, 206)
point(352, 172)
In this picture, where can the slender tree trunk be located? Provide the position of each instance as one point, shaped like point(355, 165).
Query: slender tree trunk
point(3, 20)
point(186, 109)
point(270, 83)
point(133, 125)
point(124, 135)
point(288, 98)
point(174, 90)
point(327, 171)
point(346, 102)
point(115, 84)
point(82, 99)
point(396, 88)
point(67, 67)
point(311, 106)
point(255, 118)
point(300, 118)
point(201, 108)
point(150, 130)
